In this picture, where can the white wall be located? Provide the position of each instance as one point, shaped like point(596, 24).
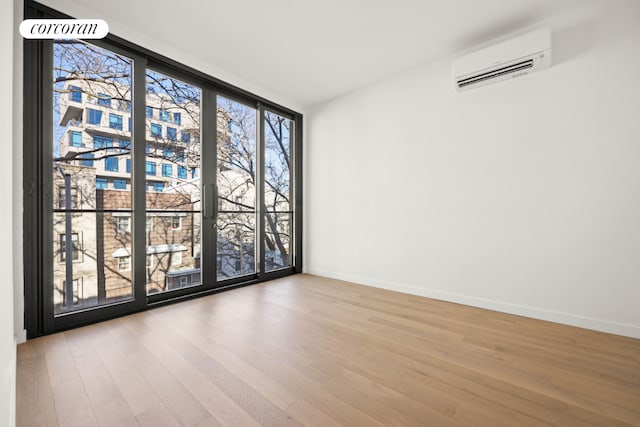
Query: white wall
point(521, 197)
point(7, 339)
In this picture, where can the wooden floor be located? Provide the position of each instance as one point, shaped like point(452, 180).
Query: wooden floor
point(311, 351)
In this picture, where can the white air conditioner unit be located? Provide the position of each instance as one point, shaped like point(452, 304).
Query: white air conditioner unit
point(506, 60)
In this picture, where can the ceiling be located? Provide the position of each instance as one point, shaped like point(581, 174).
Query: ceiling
point(311, 51)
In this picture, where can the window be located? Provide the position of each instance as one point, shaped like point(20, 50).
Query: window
point(76, 247)
point(75, 139)
point(150, 168)
point(167, 170)
point(149, 149)
point(176, 258)
point(167, 153)
point(75, 94)
point(164, 115)
point(101, 183)
point(115, 121)
point(124, 263)
point(105, 192)
point(176, 223)
point(104, 100)
point(172, 134)
point(95, 116)
point(123, 224)
point(120, 184)
point(129, 127)
point(124, 105)
point(156, 130)
point(111, 164)
point(62, 200)
point(87, 159)
point(77, 290)
point(102, 142)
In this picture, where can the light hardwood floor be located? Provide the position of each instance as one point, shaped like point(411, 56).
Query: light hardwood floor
point(311, 351)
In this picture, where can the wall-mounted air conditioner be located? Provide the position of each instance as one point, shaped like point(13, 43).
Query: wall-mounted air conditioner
point(506, 60)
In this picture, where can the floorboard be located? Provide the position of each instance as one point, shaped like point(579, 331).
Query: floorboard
point(311, 351)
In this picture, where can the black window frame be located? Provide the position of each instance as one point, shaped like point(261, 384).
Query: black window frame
point(37, 231)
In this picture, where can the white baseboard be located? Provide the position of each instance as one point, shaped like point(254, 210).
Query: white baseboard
point(601, 325)
point(21, 336)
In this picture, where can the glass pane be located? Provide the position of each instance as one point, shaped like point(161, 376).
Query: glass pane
point(173, 183)
point(235, 179)
point(236, 245)
point(277, 240)
point(277, 190)
point(91, 151)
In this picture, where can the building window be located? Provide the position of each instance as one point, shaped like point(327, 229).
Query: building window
point(182, 172)
point(130, 128)
point(180, 156)
point(104, 100)
point(124, 105)
point(102, 142)
point(150, 168)
point(172, 133)
point(176, 258)
point(76, 247)
point(75, 94)
point(77, 291)
point(128, 165)
point(123, 224)
point(75, 139)
point(156, 130)
point(95, 116)
point(87, 159)
point(185, 136)
point(111, 164)
point(124, 144)
point(167, 170)
point(62, 200)
point(194, 173)
point(164, 116)
point(149, 111)
point(120, 184)
point(176, 118)
point(157, 186)
point(115, 121)
point(101, 183)
point(124, 263)
point(167, 153)
point(176, 223)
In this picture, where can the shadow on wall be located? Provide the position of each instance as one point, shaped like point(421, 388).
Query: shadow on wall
point(567, 43)
point(572, 42)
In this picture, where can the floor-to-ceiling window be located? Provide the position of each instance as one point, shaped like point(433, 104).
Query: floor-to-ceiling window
point(146, 181)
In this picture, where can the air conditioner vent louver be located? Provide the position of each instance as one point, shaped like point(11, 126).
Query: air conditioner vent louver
point(530, 52)
point(496, 73)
